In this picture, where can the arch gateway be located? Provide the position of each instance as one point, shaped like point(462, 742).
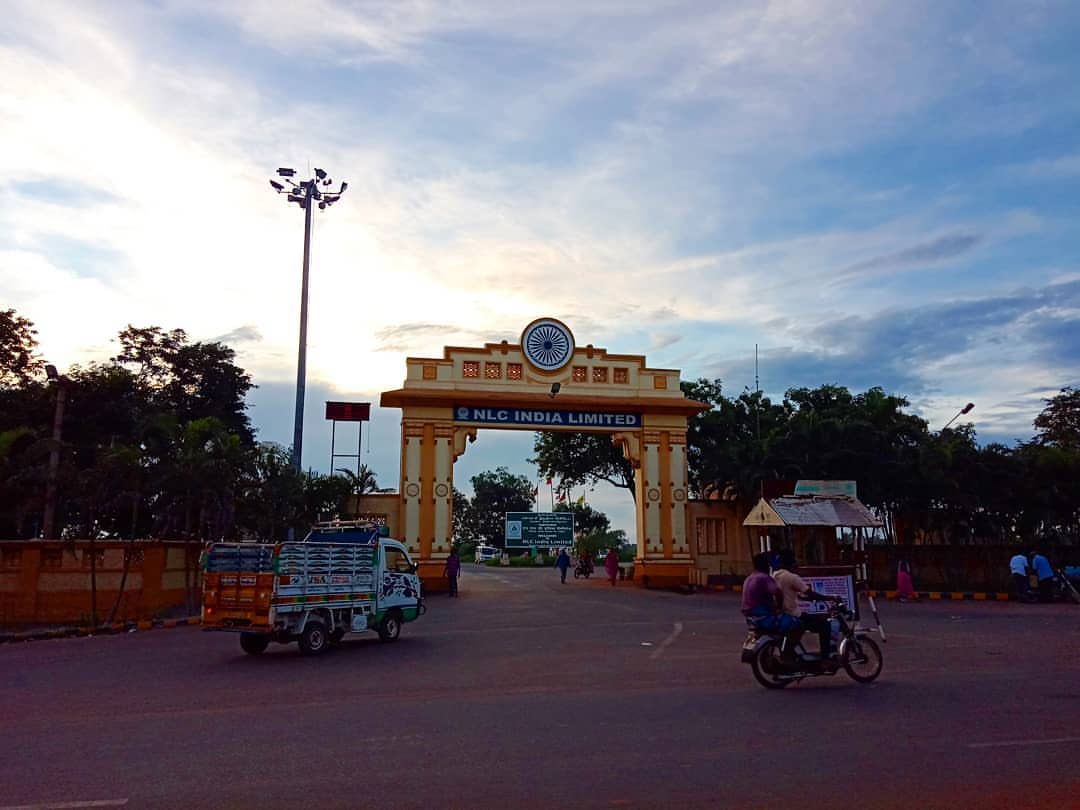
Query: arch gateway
point(545, 382)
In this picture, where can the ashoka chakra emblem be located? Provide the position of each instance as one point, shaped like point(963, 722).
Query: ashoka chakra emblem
point(547, 344)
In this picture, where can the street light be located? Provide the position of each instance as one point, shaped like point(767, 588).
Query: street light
point(966, 409)
point(303, 193)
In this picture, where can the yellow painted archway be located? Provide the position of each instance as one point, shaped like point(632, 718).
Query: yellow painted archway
point(544, 382)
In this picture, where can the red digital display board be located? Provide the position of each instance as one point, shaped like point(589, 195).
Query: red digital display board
point(348, 411)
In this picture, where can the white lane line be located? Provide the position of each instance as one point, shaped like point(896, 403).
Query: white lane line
point(674, 634)
point(1015, 743)
point(65, 805)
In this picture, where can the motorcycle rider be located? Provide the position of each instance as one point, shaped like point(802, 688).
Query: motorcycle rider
point(763, 601)
point(793, 587)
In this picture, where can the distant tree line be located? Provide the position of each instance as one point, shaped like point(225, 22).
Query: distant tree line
point(939, 484)
point(155, 442)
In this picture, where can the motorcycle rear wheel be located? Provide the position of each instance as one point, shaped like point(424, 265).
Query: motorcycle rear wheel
point(767, 667)
point(862, 659)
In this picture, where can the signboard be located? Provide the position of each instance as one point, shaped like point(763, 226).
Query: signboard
point(842, 585)
point(545, 418)
point(540, 529)
point(348, 411)
point(826, 488)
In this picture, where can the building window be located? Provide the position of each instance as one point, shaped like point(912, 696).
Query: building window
point(581, 374)
point(513, 371)
point(599, 374)
point(493, 371)
point(622, 376)
point(430, 373)
point(659, 383)
point(711, 536)
point(471, 368)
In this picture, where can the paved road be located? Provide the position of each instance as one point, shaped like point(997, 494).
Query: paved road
point(526, 693)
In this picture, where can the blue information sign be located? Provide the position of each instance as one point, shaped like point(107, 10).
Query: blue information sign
point(544, 418)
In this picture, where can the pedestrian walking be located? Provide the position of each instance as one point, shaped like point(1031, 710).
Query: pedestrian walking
point(1018, 568)
point(562, 562)
point(611, 565)
point(452, 571)
point(905, 589)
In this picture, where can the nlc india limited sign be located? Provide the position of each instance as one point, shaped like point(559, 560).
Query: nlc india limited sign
point(547, 418)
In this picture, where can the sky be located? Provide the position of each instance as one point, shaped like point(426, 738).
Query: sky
point(872, 193)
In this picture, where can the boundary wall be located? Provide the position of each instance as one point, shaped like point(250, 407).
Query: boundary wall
point(46, 582)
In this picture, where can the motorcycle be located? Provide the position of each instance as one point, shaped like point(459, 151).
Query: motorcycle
point(855, 652)
point(584, 568)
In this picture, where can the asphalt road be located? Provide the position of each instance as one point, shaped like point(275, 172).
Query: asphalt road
point(526, 693)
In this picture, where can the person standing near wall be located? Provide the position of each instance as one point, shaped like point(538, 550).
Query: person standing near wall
point(611, 565)
point(905, 589)
point(1045, 574)
point(452, 571)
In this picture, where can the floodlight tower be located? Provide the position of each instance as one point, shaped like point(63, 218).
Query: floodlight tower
point(304, 193)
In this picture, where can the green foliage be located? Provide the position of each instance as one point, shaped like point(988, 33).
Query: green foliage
point(578, 459)
point(19, 362)
point(1059, 423)
point(586, 519)
point(597, 543)
point(482, 518)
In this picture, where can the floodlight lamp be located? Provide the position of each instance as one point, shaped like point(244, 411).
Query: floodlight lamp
point(967, 408)
point(320, 174)
point(51, 372)
point(322, 206)
point(277, 186)
point(296, 198)
point(555, 388)
point(286, 172)
point(344, 186)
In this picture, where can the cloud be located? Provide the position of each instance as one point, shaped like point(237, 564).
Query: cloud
point(940, 249)
point(242, 334)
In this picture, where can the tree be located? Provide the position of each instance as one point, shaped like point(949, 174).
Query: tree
point(582, 459)
point(586, 519)
point(190, 380)
point(727, 446)
point(1059, 422)
point(495, 494)
point(597, 542)
point(19, 362)
point(361, 482)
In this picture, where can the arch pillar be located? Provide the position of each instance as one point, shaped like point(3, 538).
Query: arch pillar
point(658, 454)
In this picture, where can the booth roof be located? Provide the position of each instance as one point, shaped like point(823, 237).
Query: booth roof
point(812, 510)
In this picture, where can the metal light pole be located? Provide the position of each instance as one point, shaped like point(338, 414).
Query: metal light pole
point(966, 409)
point(48, 529)
point(304, 194)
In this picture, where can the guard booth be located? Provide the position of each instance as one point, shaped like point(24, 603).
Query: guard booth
point(807, 520)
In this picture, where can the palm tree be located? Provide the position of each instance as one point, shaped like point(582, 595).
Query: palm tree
point(362, 481)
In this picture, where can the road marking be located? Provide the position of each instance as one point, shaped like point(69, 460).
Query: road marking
point(65, 805)
point(667, 641)
point(1015, 743)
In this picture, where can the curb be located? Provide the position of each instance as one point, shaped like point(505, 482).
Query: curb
point(103, 630)
point(928, 596)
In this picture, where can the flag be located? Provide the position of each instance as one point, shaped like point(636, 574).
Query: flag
point(549, 482)
point(581, 501)
point(562, 497)
point(536, 491)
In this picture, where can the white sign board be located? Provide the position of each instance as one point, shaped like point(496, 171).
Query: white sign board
point(842, 586)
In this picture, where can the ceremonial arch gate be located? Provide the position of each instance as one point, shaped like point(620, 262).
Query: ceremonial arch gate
point(545, 382)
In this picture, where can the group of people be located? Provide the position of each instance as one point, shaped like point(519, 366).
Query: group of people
point(771, 600)
point(1021, 568)
point(611, 564)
